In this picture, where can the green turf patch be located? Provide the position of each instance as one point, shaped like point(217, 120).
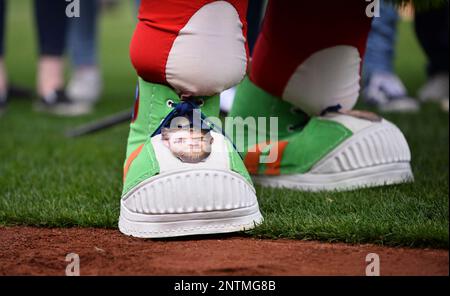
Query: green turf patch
point(48, 180)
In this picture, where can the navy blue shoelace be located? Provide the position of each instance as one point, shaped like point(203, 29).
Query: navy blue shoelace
point(181, 109)
point(331, 109)
point(186, 109)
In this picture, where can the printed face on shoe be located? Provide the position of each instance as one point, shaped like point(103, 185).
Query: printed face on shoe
point(188, 144)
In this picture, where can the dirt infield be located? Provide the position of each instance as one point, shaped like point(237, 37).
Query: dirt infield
point(39, 251)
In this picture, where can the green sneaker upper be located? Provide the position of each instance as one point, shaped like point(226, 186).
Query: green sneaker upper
point(149, 155)
point(301, 141)
point(252, 101)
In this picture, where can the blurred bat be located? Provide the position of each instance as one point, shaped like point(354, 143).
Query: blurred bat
point(98, 125)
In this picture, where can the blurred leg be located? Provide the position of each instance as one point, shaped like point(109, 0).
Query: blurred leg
point(82, 35)
point(51, 24)
point(382, 87)
point(381, 43)
point(432, 28)
point(137, 3)
point(85, 84)
point(254, 17)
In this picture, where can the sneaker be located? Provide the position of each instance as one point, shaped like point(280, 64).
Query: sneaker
point(336, 151)
point(57, 103)
point(436, 89)
point(444, 105)
point(85, 85)
point(180, 181)
point(387, 93)
point(15, 91)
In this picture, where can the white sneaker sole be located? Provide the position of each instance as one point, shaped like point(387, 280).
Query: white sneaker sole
point(375, 156)
point(189, 203)
point(382, 175)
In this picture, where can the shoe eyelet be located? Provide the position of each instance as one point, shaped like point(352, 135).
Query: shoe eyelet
point(296, 111)
point(169, 103)
point(200, 102)
point(290, 128)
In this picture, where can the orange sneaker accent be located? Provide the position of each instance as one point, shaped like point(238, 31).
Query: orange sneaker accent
point(130, 159)
point(251, 160)
point(273, 169)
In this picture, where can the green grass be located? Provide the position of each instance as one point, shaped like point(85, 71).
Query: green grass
point(48, 180)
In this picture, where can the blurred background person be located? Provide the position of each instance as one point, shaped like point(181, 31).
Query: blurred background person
point(382, 88)
point(85, 85)
point(51, 28)
point(51, 23)
point(432, 29)
point(55, 30)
